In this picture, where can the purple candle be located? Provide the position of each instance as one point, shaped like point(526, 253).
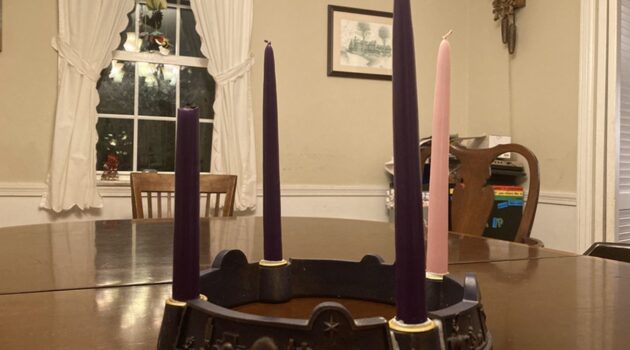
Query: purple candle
point(271, 173)
point(410, 264)
point(186, 235)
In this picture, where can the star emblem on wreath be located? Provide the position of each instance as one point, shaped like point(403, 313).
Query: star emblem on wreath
point(330, 326)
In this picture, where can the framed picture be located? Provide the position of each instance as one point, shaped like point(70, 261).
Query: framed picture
point(359, 43)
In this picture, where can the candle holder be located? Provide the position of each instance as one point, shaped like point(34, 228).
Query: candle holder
point(455, 308)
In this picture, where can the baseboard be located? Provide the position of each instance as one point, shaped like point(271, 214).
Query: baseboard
point(19, 205)
point(34, 189)
point(22, 189)
point(329, 191)
point(558, 198)
point(115, 189)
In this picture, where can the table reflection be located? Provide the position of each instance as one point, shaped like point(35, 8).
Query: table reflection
point(135, 252)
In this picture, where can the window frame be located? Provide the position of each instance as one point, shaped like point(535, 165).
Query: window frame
point(155, 58)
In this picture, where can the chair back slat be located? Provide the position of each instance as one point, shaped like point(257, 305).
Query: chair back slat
point(159, 204)
point(216, 204)
point(169, 201)
point(207, 212)
point(146, 184)
point(150, 204)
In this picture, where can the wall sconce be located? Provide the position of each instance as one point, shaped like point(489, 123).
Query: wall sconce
point(505, 11)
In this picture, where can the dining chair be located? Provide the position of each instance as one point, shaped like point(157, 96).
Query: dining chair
point(473, 198)
point(160, 188)
point(612, 251)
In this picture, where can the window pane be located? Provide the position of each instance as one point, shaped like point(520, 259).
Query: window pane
point(189, 40)
point(115, 88)
point(205, 145)
point(156, 145)
point(197, 88)
point(157, 30)
point(157, 84)
point(115, 136)
point(128, 38)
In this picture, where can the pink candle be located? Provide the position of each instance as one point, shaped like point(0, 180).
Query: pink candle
point(437, 249)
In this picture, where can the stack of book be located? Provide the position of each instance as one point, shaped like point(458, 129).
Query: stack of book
point(506, 213)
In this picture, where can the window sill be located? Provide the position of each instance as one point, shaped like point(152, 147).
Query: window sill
point(114, 188)
point(122, 182)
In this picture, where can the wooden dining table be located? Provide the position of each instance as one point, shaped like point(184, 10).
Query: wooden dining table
point(102, 284)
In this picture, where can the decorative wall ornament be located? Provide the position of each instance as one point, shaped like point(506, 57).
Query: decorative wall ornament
point(505, 11)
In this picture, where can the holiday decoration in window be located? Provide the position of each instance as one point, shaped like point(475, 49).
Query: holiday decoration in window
point(154, 39)
point(115, 146)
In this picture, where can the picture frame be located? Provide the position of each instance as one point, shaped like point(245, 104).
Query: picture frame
point(359, 43)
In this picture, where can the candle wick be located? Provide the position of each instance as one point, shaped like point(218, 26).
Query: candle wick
point(268, 42)
point(447, 34)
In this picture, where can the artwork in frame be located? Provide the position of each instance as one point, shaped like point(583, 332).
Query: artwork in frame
point(359, 43)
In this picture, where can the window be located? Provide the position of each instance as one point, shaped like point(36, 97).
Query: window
point(157, 68)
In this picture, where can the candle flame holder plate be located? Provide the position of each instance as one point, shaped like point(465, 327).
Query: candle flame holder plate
point(455, 308)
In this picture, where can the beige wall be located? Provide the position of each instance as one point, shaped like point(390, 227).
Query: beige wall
point(545, 89)
point(28, 78)
point(334, 130)
point(338, 130)
point(533, 95)
point(431, 20)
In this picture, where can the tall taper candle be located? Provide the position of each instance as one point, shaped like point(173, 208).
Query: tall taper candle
point(410, 271)
point(271, 167)
point(186, 235)
point(437, 241)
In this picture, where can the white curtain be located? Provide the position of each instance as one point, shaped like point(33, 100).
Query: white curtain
point(225, 28)
point(88, 33)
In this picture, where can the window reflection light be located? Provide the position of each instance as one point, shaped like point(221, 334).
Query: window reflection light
point(150, 81)
point(151, 72)
point(170, 73)
point(117, 73)
point(136, 312)
point(146, 69)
